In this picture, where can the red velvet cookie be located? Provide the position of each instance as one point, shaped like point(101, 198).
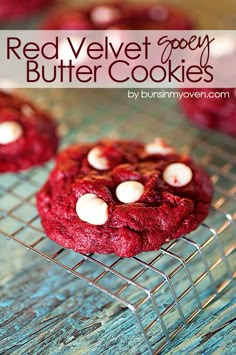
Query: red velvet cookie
point(12, 9)
point(212, 113)
point(118, 15)
point(123, 197)
point(27, 134)
point(158, 17)
point(68, 19)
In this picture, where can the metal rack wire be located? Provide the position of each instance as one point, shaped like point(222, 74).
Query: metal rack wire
point(164, 290)
point(143, 280)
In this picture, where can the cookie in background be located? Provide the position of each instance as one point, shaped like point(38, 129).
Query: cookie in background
point(16, 9)
point(118, 15)
point(28, 135)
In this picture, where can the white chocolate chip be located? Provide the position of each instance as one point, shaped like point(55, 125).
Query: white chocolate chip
point(96, 160)
point(129, 191)
point(177, 174)
point(159, 146)
point(102, 15)
point(158, 13)
point(27, 110)
point(92, 209)
point(10, 131)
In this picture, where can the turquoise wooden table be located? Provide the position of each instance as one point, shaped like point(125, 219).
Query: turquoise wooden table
point(179, 300)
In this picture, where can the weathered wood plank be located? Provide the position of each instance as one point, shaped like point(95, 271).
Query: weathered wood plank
point(44, 310)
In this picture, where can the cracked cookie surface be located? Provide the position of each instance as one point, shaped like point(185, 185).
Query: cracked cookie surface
point(122, 197)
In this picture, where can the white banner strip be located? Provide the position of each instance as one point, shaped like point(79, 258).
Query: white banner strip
point(118, 59)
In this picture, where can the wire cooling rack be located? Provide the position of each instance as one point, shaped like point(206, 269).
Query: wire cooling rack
point(164, 290)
